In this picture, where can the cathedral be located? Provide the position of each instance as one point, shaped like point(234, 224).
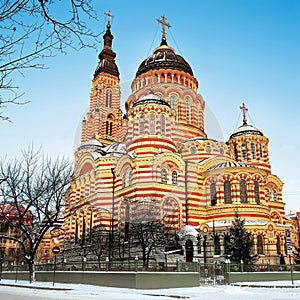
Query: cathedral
point(157, 151)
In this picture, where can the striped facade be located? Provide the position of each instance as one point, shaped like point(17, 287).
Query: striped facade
point(158, 151)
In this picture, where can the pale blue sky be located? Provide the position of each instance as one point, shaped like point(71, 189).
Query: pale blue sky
point(240, 51)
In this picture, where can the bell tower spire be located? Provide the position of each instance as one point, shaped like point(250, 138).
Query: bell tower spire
point(107, 56)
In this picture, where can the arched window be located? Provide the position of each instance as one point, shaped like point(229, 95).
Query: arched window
point(108, 98)
point(164, 176)
point(174, 178)
point(244, 151)
point(174, 103)
point(163, 124)
point(256, 192)
point(152, 124)
point(253, 150)
point(187, 110)
point(130, 178)
point(260, 244)
point(142, 124)
point(269, 195)
point(278, 245)
point(261, 151)
point(236, 155)
point(109, 128)
point(213, 194)
point(124, 180)
point(227, 192)
point(217, 245)
point(275, 197)
point(243, 191)
point(227, 245)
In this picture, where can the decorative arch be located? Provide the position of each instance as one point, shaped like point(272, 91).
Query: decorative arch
point(260, 244)
point(171, 212)
point(243, 191)
point(276, 217)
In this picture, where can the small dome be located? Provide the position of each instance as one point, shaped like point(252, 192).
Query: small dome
point(93, 143)
point(187, 230)
point(151, 98)
point(164, 57)
point(246, 129)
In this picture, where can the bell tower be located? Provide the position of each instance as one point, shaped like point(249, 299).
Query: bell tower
point(104, 118)
point(249, 145)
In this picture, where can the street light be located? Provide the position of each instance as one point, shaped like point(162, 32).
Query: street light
point(111, 234)
point(2, 251)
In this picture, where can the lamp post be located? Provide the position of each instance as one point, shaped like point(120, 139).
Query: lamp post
point(111, 233)
point(2, 251)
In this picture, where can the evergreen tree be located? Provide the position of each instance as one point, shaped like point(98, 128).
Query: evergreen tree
point(240, 243)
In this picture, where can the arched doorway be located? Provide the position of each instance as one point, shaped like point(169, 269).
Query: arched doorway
point(189, 250)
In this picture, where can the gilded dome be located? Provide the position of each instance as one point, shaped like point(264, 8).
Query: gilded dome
point(164, 57)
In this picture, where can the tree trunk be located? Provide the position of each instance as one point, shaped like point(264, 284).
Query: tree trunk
point(31, 271)
point(144, 259)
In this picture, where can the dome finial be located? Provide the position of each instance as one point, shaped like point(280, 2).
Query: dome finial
point(109, 17)
point(162, 20)
point(244, 110)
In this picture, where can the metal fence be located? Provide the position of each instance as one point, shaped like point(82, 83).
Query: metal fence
point(210, 273)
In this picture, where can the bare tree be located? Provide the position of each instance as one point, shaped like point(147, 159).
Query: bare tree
point(32, 199)
point(32, 30)
point(149, 231)
point(100, 242)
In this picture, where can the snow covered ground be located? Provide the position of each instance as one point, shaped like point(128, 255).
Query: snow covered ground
point(79, 291)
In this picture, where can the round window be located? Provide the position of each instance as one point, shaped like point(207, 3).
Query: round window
point(208, 149)
point(193, 149)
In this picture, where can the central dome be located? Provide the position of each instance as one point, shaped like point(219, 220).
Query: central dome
point(164, 57)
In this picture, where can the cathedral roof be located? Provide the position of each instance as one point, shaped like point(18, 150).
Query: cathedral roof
point(164, 57)
point(151, 98)
point(107, 56)
point(92, 143)
point(246, 129)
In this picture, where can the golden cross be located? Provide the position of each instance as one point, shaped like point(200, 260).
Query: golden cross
point(244, 110)
point(164, 24)
point(109, 17)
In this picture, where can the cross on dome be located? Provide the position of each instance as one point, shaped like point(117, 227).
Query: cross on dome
point(109, 18)
point(163, 22)
point(244, 110)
